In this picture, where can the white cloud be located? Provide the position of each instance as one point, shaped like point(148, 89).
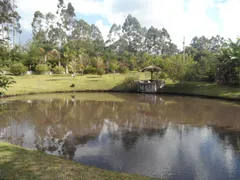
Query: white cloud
point(179, 17)
point(229, 15)
point(103, 28)
point(26, 9)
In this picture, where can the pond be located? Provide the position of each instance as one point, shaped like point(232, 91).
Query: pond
point(158, 136)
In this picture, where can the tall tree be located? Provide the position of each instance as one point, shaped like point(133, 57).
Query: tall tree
point(82, 30)
point(114, 35)
point(9, 17)
point(132, 33)
point(38, 27)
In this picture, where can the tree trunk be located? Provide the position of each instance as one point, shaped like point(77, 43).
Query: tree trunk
point(66, 69)
point(3, 36)
point(59, 62)
point(45, 58)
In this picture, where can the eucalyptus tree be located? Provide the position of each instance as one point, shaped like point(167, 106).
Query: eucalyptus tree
point(97, 38)
point(114, 35)
point(38, 31)
point(153, 41)
point(49, 23)
point(9, 18)
point(57, 36)
point(214, 44)
point(81, 30)
point(67, 16)
point(132, 34)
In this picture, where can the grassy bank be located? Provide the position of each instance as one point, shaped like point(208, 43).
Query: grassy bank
point(19, 163)
point(204, 89)
point(61, 83)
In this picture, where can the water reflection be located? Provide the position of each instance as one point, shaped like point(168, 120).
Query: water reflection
point(170, 137)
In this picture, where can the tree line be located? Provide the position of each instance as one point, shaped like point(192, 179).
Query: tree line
point(62, 43)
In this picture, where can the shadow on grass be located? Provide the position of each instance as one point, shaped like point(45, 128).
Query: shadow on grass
point(54, 79)
point(93, 77)
point(94, 80)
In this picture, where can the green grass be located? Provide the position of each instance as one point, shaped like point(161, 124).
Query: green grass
point(33, 84)
point(204, 89)
point(30, 84)
point(19, 163)
point(54, 83)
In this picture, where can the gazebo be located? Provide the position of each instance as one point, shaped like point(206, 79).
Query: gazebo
point(151, 86)
point(151, 69)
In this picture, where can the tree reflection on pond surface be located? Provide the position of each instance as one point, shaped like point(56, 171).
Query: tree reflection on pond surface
point(158, 136)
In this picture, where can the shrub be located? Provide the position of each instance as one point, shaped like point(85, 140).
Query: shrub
point(123, 69)
point(130, 83)
point(159, 76)
point(58, 70)
point(18, 69)
point(90, 70)
point(41, 68)
point(101, 72)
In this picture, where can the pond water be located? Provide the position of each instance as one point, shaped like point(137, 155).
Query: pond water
point(157, 136)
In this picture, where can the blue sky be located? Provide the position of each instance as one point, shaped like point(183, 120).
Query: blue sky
point(187, 18)
point(92, 19)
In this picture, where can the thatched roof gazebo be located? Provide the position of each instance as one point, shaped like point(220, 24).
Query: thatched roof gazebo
point(151, 69)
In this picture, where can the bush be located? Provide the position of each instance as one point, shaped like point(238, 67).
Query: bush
point(130, 83)
point(18, 69)
point(41, 68)
point(101, 72)
point(90, 70)
point(123, 69)
point(58, 70)
point(159, 76)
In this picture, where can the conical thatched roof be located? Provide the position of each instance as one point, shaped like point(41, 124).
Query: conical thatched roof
point(151, 68)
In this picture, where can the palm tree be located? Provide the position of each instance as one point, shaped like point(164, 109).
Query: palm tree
point(73, 66)
point(229, 64)
point(44, 54)
point(69, 56)
point(57, 54)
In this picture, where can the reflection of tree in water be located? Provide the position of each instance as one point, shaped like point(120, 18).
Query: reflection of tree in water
point(65, 146)
point(130, 138)
point(3, 107)
point(9, 129)
point(228, 136)
point(61, 125)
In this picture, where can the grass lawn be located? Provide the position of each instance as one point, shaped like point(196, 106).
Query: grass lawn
point(30, 84)
point(61, 83)
point(18, 163)
point(204, 89)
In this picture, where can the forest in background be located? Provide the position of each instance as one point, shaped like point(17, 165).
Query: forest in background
point(62, 43)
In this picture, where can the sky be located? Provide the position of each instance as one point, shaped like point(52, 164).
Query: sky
point(181, 18)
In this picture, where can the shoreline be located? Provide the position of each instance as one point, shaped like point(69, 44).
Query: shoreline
point(21, 163)
point(130, 92)
point(46, 84)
